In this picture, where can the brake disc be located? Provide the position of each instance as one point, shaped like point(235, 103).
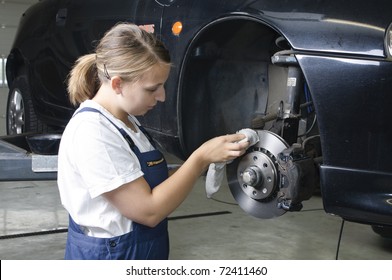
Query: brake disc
point(254, 178)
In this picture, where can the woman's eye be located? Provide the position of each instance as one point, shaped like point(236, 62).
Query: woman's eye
point(152, 89)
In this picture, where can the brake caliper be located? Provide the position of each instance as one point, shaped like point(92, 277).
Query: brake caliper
point(297, 178)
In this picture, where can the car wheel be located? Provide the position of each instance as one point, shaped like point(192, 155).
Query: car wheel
point(21, 117)
point(383, 231)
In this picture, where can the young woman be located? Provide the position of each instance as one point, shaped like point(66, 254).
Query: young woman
point(112, 181)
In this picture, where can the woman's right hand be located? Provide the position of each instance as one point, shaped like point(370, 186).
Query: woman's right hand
point(222, 148)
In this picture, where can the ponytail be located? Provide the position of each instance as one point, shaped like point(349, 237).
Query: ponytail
point(83, 82)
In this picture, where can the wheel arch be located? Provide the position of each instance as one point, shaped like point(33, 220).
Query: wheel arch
point(223, 79)
point(16, 65)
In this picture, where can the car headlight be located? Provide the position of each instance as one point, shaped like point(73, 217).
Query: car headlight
point(388, 42)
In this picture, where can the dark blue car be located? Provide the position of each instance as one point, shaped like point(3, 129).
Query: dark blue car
point(313, 77)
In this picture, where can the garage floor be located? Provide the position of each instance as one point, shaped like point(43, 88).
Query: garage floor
point(34, 225)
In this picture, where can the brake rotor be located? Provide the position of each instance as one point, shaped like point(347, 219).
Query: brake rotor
point(254, 178)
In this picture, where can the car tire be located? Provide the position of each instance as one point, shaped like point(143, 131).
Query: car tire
point(383, 231)
point(21, 117)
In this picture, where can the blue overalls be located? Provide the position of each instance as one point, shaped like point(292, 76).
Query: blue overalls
point(142, 242)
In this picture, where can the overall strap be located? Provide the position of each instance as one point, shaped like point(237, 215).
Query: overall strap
point(149, 137)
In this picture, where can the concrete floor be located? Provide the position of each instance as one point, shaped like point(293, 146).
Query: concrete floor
point(33, 226)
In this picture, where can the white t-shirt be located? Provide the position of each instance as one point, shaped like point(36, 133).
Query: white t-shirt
point(94, 158)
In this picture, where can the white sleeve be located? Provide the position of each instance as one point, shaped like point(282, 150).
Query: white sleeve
point(103, 157)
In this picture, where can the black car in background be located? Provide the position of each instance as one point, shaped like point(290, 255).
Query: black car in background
point(313, 77)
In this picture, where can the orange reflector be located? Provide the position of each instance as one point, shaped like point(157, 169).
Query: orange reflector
point(177, 28)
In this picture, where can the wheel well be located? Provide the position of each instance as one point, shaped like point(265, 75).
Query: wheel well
point(225, 79)
point(15, 66)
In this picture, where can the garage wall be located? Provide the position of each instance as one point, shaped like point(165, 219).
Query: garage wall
point(10, 13)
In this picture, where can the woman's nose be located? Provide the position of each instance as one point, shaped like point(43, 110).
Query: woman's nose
point(161, 95)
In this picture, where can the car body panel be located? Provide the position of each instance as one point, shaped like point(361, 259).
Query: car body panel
point(355, 134)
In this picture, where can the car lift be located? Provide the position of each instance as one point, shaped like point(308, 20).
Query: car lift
point(18, 163)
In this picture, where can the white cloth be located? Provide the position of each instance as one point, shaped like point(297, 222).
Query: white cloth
point(214, 178)
point(216, 171)
point(94, 158)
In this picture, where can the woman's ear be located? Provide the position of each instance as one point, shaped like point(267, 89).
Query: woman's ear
point(116, 84)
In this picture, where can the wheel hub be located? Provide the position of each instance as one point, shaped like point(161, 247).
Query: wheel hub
point(257, 175)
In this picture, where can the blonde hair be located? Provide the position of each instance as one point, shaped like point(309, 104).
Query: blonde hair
point(125, 50)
